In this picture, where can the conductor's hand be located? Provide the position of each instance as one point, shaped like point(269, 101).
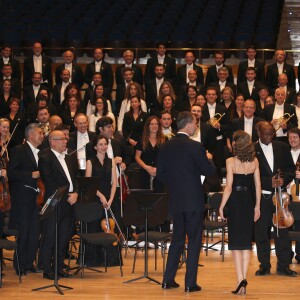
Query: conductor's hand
point(35, 174)
point(72, 198)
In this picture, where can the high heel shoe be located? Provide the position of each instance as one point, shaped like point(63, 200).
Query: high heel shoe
point(241, 289)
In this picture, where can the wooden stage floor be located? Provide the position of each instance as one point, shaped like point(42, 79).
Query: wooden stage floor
point(216, 278)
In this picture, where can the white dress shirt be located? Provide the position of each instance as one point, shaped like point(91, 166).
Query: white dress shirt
point(222, 85)
point(37, 62)
point(248, 125)
point(69, 67)
point(161, 59)
point(158, 84)
point(280, 68)
point(98, 66)
point(36, 90)
point(188, 68)
point(82, 140)
point(62, 90)
point(251, 63)
point(250, 86)
point(268, 152)
point(35, 152)
point(211, 109)
point(278, 113)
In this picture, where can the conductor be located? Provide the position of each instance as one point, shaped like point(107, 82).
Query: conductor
point(181, 162)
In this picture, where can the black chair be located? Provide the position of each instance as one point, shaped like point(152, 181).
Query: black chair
point(89, 212)
point(211, 222)
point(8, 245)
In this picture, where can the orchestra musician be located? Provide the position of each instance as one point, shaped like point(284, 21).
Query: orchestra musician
point(272, 155)
point(23, 174)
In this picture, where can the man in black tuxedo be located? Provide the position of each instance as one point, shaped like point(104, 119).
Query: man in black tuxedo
point(31, 91)
point(279, 67)
point(258, 66)
point(82, 139)
point(38, 63)
point(75, 71)
point(223, 81)
point(57, 171)
point(6, 59)
point(272, 156)
point(289, 91)
point(181, 158)
point(137, 71)
point(15, 82)
point(212, 71)
point(275, 111)
point(248, 122)
point(161, 58)
point(58, 93)
point(250, 87)
point(169, 129)
point(102, 67)
point(23, 174)
point(182, 72)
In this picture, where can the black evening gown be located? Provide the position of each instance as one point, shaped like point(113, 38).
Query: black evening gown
point(241, 212)
point(94, 255)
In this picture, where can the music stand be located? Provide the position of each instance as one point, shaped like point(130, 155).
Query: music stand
point(145, 208)
point(52, 205)
point(87, 188)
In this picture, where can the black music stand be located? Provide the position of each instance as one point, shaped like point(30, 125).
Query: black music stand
point(52, 205)
point(145, 208)
point(87, 188)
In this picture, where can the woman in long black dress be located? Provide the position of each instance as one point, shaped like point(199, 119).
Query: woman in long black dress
point(5, 95)
point(242, 195)
point(105, 168)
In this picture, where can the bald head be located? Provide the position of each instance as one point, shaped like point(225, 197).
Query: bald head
point(54, 121)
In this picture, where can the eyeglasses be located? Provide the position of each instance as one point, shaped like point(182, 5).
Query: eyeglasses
point(60, 139)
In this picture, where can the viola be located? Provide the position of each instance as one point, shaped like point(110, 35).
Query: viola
point(5, 203)
point(282, 218)
point(108, 225)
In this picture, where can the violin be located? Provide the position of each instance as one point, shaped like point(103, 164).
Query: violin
point(282, 218)
point(108, 225)
point(5, 203)
point(41, 193)
point(295, 187)
point(124, 187)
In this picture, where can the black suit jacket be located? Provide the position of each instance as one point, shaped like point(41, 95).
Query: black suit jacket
point(282, 160)
point(208, 137)
point(56, 97)
point(272, 75)
point(28, 95)
point(288, 108)
point(120, 96)
point(228, 84)
point(290, 94)
point(239, 124)
point(243, 88)
point(77, 75)
point(181, 158)
point(46, 70)
point(105, 71)
point(89, 149)
point(259, 68)
point(211, 75)
point(182, 76)
point(15, 65)
point(137, 74)
point(170, 68)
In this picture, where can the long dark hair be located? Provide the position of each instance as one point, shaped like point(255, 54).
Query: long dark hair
point(146, 133)
point(105, 106)
point(93, 100)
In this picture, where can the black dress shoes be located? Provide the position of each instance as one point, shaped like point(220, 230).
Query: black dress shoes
point(63, 274)
point(191, 289)
point(170, 285)
point(49, 276)
point(33, 269)
point(262, 272)
point(286, 271)
point(22, 272)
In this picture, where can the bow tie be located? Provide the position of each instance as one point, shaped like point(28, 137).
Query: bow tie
point(83, 135)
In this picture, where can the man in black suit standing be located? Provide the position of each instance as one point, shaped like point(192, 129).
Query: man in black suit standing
point(23, 174)
point(75, 71)
point(161, 58)
point(289, 91)
point(137, 71)
point(249, 88)
point(272, 156)
point(38, 63)
point(57, 171)
point(181, 158)
point(6, 59)
point(279, 67)
point(102, 67)
point(258, 66)
point(212, 71)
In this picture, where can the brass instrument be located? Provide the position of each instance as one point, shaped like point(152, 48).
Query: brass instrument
point(215, 119)
point(282, 120)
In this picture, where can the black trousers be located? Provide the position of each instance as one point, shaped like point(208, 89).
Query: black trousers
point(190, 224)
point(262, 230)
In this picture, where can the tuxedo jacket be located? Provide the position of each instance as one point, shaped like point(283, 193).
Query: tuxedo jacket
point(28, 95)
point(170, 68)
point(77, 75)
point(228, 84)
point(243, 88)
point(208, 137)
point(15, 65)
point(282, 160)
point(290, 95)
point(211, 75)
point(56, 97)
point(105, 71)
point(181, 158)
point(259, 68)
point(120, 96)
point(239, 124)
point(182, 76)
point(272, 75)
point(137, 74)
point(46, 70)
point(288, 108)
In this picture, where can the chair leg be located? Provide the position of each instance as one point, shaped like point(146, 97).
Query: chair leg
point(105, 262)
point(155, 255)
point(223, 244)
point(19, 272)
point(134, 259)
point(120, 259)
point(206, 250)
point(163, 245)
point(83, 255)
